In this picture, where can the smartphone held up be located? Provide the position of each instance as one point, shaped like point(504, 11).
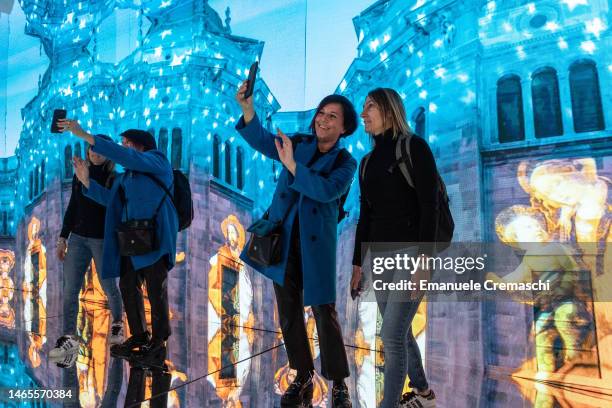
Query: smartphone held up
point(57, 115)
point(251, 80)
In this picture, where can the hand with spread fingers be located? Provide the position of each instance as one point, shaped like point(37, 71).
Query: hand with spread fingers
point(285, 151)
point(81, 169)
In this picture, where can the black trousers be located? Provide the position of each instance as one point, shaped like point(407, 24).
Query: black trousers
point(156, 278)
point(290, 303)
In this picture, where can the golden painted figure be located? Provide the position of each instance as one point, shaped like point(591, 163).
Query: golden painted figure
point(7, 289)
point(35, 292)
point(573, 199)
point(564, 330)
point(563, 320)
point(230, 297)
point(93, 325)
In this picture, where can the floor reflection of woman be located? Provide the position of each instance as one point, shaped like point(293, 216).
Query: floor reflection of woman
point(80, 241)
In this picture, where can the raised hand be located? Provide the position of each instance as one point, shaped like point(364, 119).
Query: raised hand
point(71, 125)
point(81, 169)
point(285, 151)
point(248, 111)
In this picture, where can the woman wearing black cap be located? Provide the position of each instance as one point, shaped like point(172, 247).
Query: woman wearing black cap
point(80, 240)
point(136, 195)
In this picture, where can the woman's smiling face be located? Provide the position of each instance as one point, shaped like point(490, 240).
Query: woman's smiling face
point(329, 122)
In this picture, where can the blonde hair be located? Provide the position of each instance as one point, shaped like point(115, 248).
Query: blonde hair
point(392, 110)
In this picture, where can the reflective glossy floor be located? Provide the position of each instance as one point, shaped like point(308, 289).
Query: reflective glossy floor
point(246, 367)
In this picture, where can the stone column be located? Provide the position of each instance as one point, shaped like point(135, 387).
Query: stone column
point(566, 103)
point(527, 109)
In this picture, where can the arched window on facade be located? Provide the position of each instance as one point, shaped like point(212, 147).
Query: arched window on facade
point(162, 143)
point(418, 118)
point(240, 168)
point(36, 179)
point(586, 97)
point(547, 120)
point(77, 150)
point(68, 162)
point(510, 118)
point(42, 175)
point(177, 148)
point(216, 156)
point(31, 189)
point(228, 162)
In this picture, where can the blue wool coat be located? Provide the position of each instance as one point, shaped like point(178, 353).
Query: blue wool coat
point(314, 194)
point(143, 196)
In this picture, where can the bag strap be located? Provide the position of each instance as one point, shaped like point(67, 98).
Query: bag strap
point(362, 167)
point(167, 193)
point(404, 160)
point(163, 186)
point(122, 198)
point(341, 158)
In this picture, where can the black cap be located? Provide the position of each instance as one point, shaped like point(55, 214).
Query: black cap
point(140, 137)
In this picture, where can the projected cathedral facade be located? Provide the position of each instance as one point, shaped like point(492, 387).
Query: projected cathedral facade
point(514, 98)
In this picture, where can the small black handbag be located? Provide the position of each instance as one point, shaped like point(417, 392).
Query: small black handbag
point(137, 236)
point(264, 245)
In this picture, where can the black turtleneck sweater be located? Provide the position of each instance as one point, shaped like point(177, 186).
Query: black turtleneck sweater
point(84, 216)
point(391, 210)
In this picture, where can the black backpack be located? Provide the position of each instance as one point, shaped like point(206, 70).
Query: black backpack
point(181, 198)
point(446, 224)
point(340, 158)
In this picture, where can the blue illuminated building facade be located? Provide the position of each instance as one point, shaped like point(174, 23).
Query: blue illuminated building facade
point(514, 98)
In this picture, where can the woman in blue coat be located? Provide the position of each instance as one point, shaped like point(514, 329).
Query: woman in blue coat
point(316, 174)
point(143, 199)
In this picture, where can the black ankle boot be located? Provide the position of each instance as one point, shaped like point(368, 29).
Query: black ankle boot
point(128, 347)
point(299, 393)
point(340, 395)
point(152, 353)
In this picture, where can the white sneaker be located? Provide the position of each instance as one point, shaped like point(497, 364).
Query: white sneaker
point(116, 336)
point(414, 400)
point(65, 351)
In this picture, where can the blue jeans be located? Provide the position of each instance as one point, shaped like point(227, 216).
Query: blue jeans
point(402, 354)
point(80, 252)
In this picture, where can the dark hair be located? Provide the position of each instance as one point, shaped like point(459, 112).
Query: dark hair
point(348, 112)
point(140, 137)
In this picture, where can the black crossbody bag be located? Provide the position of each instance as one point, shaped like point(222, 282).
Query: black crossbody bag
point(264, 245)
point(137, 236)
